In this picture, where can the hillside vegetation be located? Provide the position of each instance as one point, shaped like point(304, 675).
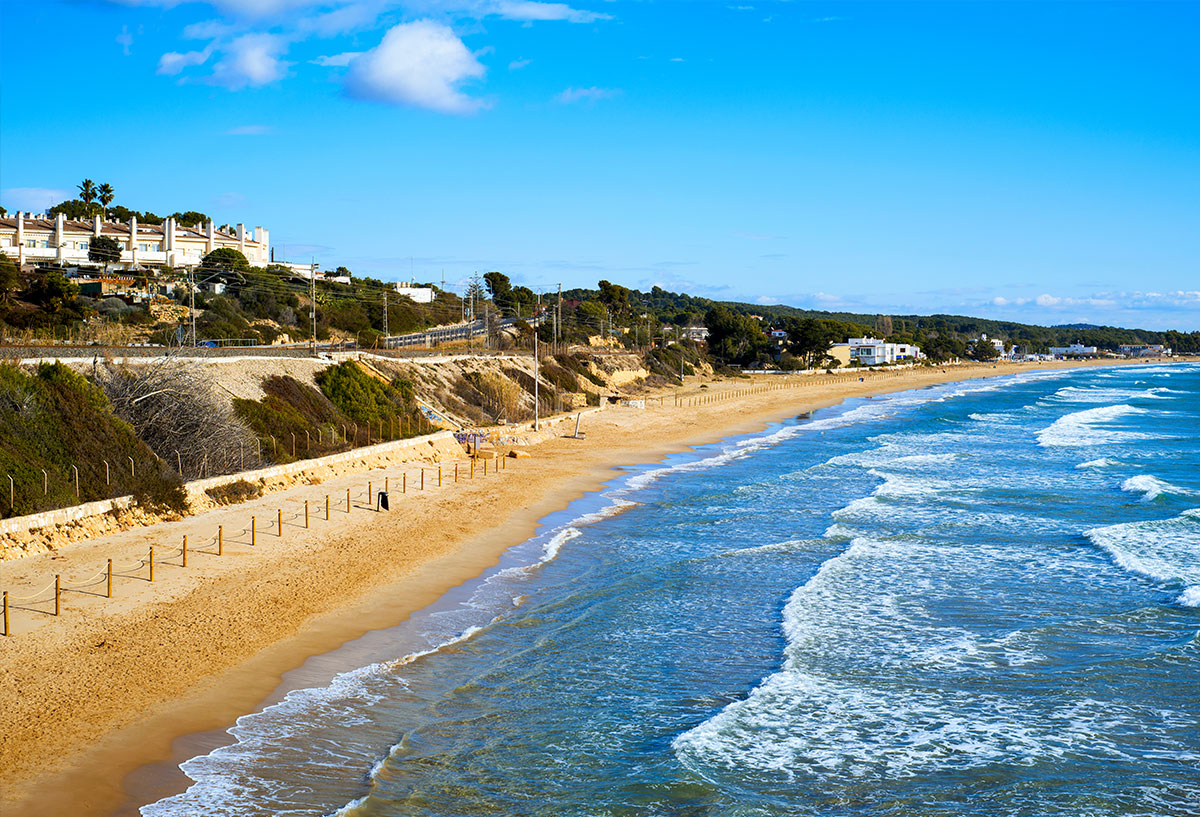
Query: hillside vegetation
point(53, 419)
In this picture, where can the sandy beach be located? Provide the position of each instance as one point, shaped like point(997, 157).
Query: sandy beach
point(108, 686)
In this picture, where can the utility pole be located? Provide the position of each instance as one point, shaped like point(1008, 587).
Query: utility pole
point(557, 319)
point(385, 322)
point(312, 297)
point(192, 293)
point(536, 373)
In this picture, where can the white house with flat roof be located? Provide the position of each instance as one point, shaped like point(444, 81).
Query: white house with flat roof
point(1074, 350)
point(875, 352)
point(40, 239)
point(422, 295)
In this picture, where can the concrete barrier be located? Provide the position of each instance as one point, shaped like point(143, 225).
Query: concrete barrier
point(62, 516)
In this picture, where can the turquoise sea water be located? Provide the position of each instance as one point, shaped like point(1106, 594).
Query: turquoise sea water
point(978, 599)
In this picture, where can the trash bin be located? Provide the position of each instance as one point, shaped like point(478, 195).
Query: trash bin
point(383, 500)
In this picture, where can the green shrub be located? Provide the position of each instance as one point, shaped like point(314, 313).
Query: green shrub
point(55, 419)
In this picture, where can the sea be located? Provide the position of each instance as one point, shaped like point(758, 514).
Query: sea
point(980, 598)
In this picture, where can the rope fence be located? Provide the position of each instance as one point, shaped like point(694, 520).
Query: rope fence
point(48, 601)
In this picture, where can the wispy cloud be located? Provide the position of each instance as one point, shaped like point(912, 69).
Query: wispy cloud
point(593, 94)
point(250, 130)
point(174, 62)
point(338, 60)
point(517, 65)
point(534, 11)
point(125, 40)
point(1136, 300)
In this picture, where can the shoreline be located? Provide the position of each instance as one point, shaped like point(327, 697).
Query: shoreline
point(115, 758)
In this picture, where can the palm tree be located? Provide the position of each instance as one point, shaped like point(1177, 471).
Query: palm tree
point(87, 191)
point(105, 193)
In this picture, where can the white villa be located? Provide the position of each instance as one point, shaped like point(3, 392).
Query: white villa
point(874, 352)
point(1074, 350)
point(38, 239)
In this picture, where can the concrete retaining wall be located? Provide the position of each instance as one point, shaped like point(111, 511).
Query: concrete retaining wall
point(62, 516)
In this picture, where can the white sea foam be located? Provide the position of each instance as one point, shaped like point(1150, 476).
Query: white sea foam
point(1151, 487)
point(1091, 427)
point(1166, 550)
point(802, 722)
point(1103, 462)
point(1080, 394)
point(877, 408)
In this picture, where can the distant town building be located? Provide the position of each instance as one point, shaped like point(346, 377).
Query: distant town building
point(39, 239)
point(1074, 350)
point(696, 333)
point(422, 295)
point(875, 352)
point(1144, 350)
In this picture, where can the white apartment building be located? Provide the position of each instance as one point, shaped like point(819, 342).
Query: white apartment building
point(1074, 350)
point(39, 239)
point(875, 352)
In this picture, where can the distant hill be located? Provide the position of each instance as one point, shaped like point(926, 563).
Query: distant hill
point(673, 307)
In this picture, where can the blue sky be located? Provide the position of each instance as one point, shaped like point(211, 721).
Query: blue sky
point(1038, 162)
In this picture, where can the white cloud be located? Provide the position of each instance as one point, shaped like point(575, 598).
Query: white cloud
point(251, 60)
point(534, 11)
point(33, 199)
point(423, 64)
point(349, 17)
point(208, 30)
point(593, 94)
point(250, 130)
point(517, 65)
point(125, 40)
point(173, 62)
point(338, 60)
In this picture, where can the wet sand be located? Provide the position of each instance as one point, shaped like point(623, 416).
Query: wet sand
point(111, 685)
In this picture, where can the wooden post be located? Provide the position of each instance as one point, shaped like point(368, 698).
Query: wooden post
point(370, 494)
point(387, 484)
point(279, 522)
point(76, 470)
point(253, 531)
point(472, 468)
point(326, 507)
point(422, 479)
point(151, 564)
point(404, 484)
point(456, 473)
point(220, 540)
point(185, 550)
point(109, 593)
point(485, 468)
point(306, 514)
point(347, 500)
point(57, 592)
point(6, 612)
point(439, 475)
